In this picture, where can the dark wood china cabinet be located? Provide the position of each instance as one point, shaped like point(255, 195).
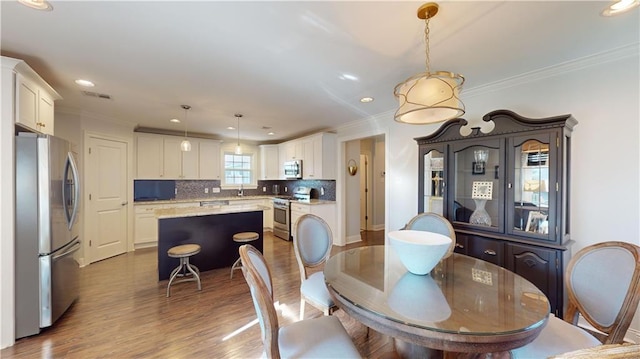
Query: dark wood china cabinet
point(506, 192)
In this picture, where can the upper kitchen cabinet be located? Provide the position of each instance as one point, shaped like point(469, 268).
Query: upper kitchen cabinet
point(269, 162)
point(319, 156)
point(149, 155)
point(34, 98)
point(209, 160)
point(160, 157)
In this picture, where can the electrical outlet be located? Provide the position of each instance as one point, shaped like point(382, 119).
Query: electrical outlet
point(206, 190)
point(264, 189)
point(286, 189)
point(215, 189)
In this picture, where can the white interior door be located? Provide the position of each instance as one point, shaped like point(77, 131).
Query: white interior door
point(107, 191)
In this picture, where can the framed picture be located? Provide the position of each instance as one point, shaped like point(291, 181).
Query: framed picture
point(537, 223)
point(482, 190)
point(478, 168)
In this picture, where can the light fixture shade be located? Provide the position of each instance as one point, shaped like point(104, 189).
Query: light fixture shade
point(429, 97)
point(185, 145)
point(238, 150)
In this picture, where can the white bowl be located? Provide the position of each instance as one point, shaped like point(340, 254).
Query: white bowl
point(419, 297)
point(419, 251)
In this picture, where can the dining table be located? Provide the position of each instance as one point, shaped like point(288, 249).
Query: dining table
point(464, 305)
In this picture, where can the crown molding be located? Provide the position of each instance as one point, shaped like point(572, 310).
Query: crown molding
point(617, 54)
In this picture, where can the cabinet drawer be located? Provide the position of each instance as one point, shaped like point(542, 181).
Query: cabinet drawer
point(146, 209)
point(299, 207)
point(486, 249)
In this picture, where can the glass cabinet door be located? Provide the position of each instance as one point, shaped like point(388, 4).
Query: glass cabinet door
point(532, 187)
point(434, 185)
point(477, 191)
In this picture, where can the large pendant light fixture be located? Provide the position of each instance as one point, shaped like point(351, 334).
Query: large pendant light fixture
point(185, 145)
point(429, 97)
point(238, 148)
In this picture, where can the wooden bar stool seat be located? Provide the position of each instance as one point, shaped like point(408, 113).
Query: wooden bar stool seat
point(183, 252)
point(242, 237)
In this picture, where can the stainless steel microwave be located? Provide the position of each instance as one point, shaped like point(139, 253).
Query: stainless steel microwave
point(293, 169)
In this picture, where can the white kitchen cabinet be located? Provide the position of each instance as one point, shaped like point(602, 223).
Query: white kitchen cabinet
point(146, 223)
point(319, 152)
point(160, 157)
point(209, 159)
point(191, 161)
point(269, 162)
point(149, 156)
point(288, 151)
point(172, 157)
point(33, 105)
point(45, 112)
point(326, 211)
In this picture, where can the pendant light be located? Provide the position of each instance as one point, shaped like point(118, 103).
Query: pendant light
point(238, 148)
point(185, 145)
point(429, 97)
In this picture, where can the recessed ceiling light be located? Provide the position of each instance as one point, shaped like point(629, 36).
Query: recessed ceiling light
point(174, 120)
point(366, 99)
point(85, 83)
point(37, 4)
point(231, 128)
point(348, 77)
point(620, 7)
point(271, 133)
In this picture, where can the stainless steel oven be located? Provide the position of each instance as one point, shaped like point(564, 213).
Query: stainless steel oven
point(281, 219)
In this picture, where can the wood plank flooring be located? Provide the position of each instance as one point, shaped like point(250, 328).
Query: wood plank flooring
point(123, 312)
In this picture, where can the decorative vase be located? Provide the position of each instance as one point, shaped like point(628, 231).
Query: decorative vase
point(480, 215)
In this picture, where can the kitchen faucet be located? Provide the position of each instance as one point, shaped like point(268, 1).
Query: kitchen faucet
point(240, 191)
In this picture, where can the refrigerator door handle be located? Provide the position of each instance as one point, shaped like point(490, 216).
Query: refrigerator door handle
point(71, 164)
point(71, 250)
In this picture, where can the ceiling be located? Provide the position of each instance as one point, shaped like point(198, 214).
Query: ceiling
point(283, 64)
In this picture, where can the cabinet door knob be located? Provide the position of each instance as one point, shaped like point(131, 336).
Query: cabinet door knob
point(458, 245)
point(490, 252)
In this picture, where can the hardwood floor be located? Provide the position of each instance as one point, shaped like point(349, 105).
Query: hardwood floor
point(123, 312)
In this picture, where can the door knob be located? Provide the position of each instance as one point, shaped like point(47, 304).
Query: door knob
point(124, 203)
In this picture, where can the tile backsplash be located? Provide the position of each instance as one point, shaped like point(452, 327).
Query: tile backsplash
point(195, 189)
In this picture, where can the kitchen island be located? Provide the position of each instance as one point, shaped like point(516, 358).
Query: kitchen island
point(210, 227)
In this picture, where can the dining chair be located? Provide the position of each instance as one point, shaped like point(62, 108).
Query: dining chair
point(603, 286)
point(312, 246)
point(433, 222)
point(323, 337)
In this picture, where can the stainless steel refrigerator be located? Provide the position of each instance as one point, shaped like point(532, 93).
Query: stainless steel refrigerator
point(47, 198)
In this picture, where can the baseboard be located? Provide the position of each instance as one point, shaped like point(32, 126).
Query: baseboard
point(353, 239)
point(632, 335)
point(144, 245)
point(378, 227)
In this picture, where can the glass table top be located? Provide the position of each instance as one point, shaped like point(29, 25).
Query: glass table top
point(461, 295)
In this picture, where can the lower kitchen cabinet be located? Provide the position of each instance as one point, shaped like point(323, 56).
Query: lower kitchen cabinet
point(544, 267)
point(326, 211)
point(145, 232)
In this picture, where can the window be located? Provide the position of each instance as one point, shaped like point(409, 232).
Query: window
point(237, 169)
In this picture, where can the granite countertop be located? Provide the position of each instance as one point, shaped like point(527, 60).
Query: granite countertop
point(194, 200)
point(231, 198)
point(315, 202)
point(209, 210)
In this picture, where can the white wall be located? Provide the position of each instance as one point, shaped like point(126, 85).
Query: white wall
point(601, 92)
point(7, 208)
point(352, 195)
point(378, 183)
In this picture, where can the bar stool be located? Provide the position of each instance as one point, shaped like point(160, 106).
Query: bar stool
point(242, 237)
point(183, 252)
